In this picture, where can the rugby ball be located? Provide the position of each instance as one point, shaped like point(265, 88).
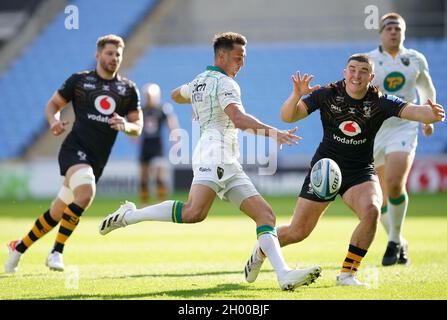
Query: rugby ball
point(325, 178)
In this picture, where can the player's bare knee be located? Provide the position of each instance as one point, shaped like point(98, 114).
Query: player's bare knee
point(395, 191)
point(84, 199)
point(82, 183)
point(395, 186)
point(371, 214)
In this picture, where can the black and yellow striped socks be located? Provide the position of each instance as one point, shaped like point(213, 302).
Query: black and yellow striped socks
point(69, 221)
point(41, 227)
point(353, 259)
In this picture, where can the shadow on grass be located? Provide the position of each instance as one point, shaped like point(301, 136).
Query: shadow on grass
point(179, 294)
point(179, 275)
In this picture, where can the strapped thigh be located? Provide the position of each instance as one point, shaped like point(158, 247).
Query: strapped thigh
point(82, 176)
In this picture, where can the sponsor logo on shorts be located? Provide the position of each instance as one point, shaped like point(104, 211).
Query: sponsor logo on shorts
point(220, 172)
point(309, 189)
point(202, 169)
point(82, 156)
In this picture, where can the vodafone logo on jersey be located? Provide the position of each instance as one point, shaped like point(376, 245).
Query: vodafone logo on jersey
point(105, 104)
point(350, 128)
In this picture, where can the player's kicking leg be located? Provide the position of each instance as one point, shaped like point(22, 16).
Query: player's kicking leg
point(199, 202)
point(268, 246)
point(304, 220)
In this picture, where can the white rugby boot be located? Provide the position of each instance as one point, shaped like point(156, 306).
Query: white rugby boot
point(116, 220)
point(12, 264)
point(254, 263)
point(55, 261)
point(299, 277)
point(349, 279)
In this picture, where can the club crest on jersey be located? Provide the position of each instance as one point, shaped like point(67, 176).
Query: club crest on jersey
point(105, 104)
point(405, 61)
point(350, 128)
point(121, 90)
point(367, 111)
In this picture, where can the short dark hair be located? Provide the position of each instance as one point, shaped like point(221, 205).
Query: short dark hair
point(226, 40)
point(110, 38)
point(362, 57)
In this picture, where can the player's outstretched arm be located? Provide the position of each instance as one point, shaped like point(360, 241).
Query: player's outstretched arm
point(247, 122)
point(427, 113)
point(180, 95)
point(293, 109)
point(53, 114)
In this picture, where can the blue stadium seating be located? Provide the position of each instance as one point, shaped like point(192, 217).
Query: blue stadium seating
point(55, 54)
point(265, 82)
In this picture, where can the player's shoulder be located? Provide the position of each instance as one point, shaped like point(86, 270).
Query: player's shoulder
point(227, 82)
point(331, 88)
point(415, 56)
point(82, 74)
point(385, 98)
point(373, 54)
point(413, 53)
point(324, 93)
point(127, 81)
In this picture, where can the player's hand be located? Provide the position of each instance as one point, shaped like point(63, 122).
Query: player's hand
point(428, 129)
point(438, 110)
point(117, 122)
point(58, 127)
point(301, 86)
point(287, 137)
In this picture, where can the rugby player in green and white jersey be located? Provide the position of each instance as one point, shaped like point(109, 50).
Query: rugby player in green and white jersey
point(402, 72)
point(216, 101)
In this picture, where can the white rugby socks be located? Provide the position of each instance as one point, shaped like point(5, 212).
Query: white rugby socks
point(397, 209)
point(170, 211)
point(268, 241)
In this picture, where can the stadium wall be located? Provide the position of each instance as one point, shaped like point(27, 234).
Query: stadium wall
point(40, 178)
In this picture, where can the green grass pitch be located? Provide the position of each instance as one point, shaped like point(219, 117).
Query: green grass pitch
point(155, 260)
